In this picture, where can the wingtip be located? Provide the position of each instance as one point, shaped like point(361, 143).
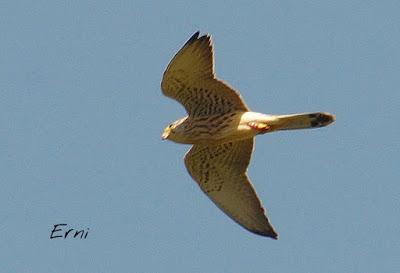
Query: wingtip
point(193, 38)
point(270, 233)
point(196, 34)
point(196, 37)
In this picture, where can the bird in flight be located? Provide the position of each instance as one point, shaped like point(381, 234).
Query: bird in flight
point(222, 129)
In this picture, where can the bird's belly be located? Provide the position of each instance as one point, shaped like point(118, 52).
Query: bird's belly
point(222, 129)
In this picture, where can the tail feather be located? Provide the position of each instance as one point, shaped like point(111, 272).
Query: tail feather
point(303, 121)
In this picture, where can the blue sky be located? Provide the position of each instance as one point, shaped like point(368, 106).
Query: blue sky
point(81, 114)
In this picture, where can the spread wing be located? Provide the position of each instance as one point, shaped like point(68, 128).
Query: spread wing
point(190, 79)
point(220, 171)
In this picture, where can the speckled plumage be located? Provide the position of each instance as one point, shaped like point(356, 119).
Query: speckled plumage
point(222, 129)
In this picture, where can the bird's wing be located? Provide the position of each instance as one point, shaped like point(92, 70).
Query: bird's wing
point(190, 79)
point(221, 172)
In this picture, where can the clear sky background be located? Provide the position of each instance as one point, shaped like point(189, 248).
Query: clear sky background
point(81, 114)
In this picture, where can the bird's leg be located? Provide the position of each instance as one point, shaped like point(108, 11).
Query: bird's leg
point(261, 127)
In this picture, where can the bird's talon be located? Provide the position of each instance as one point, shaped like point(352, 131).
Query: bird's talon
point(259, 126)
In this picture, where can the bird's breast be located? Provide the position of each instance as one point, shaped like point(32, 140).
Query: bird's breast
point(218, 129)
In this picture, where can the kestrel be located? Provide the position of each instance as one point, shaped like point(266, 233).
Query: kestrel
point(222, 130)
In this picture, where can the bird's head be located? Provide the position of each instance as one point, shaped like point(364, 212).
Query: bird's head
point(173, 130)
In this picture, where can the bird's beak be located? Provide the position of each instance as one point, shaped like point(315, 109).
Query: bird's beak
point(165, 134)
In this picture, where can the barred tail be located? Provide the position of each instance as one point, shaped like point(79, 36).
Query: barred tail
point(303, 121)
